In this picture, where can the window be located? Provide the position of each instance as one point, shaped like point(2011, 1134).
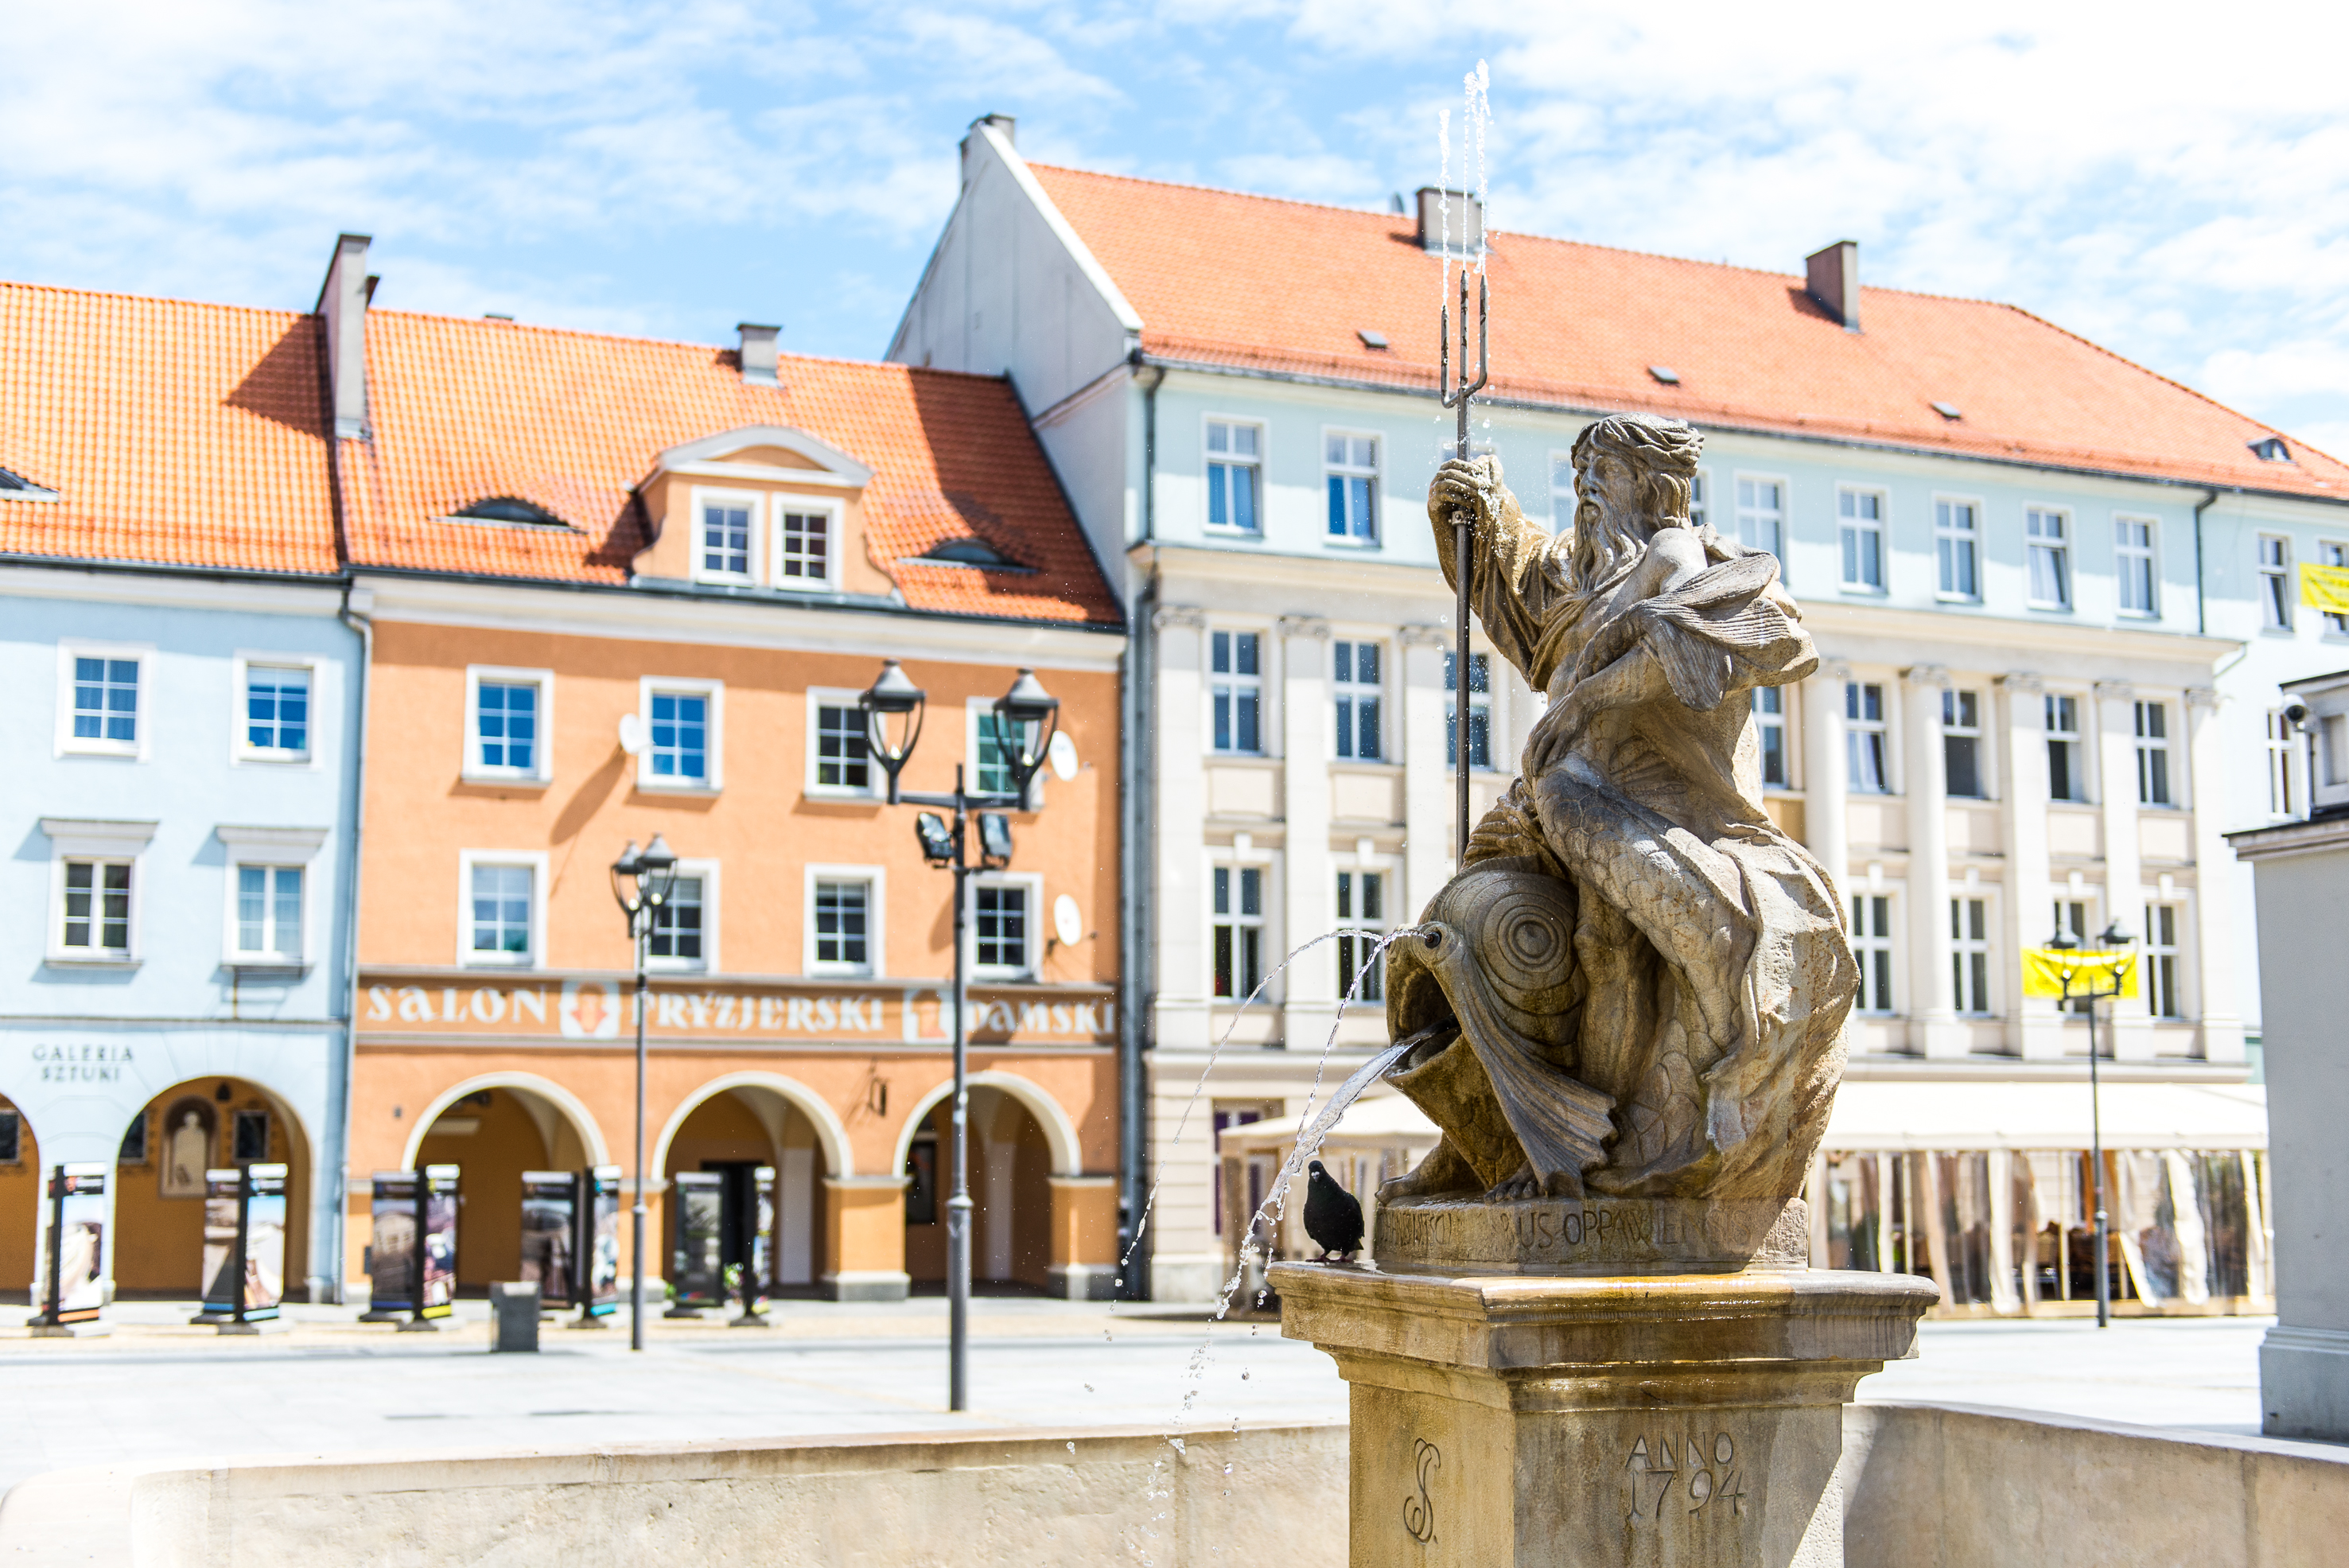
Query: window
point(1770, 727)
point(2072, 919)
point(249, 1135)
point(1480, 709)
point(12, 1138)
point(1696, 499)
point(2048, 535)
point(1358, 700)
point(1561, 492)
point(269, 912)
point(2275, 582)
point(2133, 566)
point(2065, 780)
point(1224, 1117)
point(675, 939)
point(1861, 514)
point(1000, 926)
point(2283, 752)
point(1962, 742)
point(1957, 542)
point(1361, 919)
point(726, 540)
point(97, 910)
point(501, 906)
point(508, 724)
point(277, 710)
point(100, 703)
point(843, 748)
point(803, 549)
point(1969, 953)
point(2161, 980)
point(1238, 690)
point(844, 925)
point(2333, 552)
point(1761, 514)
point(1863, 713)
point(1871, 944)
point(1239, 929)
point(683, 729)
point(1234, 454)
point(2153, 753)
point(996, 747)
point(1352, 467)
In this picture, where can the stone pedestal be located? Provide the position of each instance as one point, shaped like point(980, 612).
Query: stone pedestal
point(1663, 1421)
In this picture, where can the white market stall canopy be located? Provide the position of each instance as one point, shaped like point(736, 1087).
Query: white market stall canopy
point(1893, 1116)
point(1374, 1121)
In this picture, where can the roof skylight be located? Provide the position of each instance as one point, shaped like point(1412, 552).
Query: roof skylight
point(1370, 339)
point(967, 553)
point(2271, 449)
point(1949, 411)
point(509, 509)
point(15, 486)
point(1666, 374)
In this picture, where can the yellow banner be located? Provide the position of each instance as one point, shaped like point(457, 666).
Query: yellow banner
point(2324, 587)
point(2044, 969)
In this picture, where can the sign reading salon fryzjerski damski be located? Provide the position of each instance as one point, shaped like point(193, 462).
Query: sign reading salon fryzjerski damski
point(598, 1008)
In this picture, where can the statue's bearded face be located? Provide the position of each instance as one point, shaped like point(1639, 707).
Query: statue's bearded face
point(1610, 496)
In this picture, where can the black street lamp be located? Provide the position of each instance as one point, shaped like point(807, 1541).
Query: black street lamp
point(642, 882)
point(1026, 717)
point(2113, 939)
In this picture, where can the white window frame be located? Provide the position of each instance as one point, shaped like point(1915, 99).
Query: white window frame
point(1700, 497)
point(2060, 547)
point(1776, 546)
point(541, 768)
point(2150, 553)
point(1353, 692)
point(2082, 753)
point(754, 538)
point(1971, 538)
point(271, 847)
point(1888, 759)
point(1210, 458)
point(1766, 721)
point(835, 532)
point(714, 752)
point(707, 962)
point(242, 666)
point(2150, 984)
point(1561, 494)
point(1358, 927)
point(2285, 789)
point(1960, 947)
point(818, 699)
point(975, 709)
point(1886, 949)
point(1034, 884)
point(1457, 747)
point(104, 842)
point(68, 745)
point(1375, 473)
point(2274, 579)
point(877, 920)
point(1266, 894)
point(1260, 682)
point(2333, 553)
point(1978, 732)
point(536, 860)
point(2165, 744)
point(1849, 523)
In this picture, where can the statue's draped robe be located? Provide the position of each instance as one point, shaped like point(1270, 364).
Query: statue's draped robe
point(1715, 974)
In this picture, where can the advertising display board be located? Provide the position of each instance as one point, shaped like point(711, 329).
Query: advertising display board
point(244, 1243)
point(599, 1238)
point(391, 1256)
point(759, 1269)
point(76, 1249)
point(550, 1232)
point(437, 1255)
point(698, 1256)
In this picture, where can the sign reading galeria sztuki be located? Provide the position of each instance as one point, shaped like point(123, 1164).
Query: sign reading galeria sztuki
point(602, 1007)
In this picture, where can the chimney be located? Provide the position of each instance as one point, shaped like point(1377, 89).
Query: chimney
point(343, 301)
point(1468, 221)
point(1008, 125)
point(758, 354)
point(1834, 281)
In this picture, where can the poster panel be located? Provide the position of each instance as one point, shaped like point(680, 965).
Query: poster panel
point(549, 1232)
point(391, 1256)
point(762, 1237)
point(698, 1269)
point(602, 1246)
point(264, 1240)
point(439, 1283)
point(78, 1194)
point(223, 1265)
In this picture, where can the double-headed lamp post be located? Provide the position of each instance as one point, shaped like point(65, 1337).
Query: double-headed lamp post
point(1025, 718)
point(2110, 962)
point(642, 882)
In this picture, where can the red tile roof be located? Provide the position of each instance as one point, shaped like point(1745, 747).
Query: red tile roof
point(174, 433)
point(1227, 279)
point(460, 410)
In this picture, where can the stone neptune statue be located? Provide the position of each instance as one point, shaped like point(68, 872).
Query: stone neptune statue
point(1637, 985)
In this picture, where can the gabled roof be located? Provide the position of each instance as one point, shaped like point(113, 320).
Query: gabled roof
point(460, 409)
point(1252, 283)
point(170, 431)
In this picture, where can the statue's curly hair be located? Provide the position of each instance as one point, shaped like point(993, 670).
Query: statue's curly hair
point(1664, 452)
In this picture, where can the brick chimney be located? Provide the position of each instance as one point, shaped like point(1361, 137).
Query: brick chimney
point(1833, 279)
point(343, 301)
point(759, 353)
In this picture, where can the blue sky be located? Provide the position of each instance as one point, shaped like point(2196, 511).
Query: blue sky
point(2170, 184)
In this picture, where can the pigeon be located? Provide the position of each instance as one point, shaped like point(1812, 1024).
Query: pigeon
point(1332, 1217)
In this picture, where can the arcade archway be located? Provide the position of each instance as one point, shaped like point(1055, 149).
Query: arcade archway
point(203, 1124)
point(745, 1121)
point(20, 1202)
point(492, 1131)
point(1011, 1161)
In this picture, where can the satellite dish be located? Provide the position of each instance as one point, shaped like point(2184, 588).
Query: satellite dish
point(1063, 754)
point(632, 735)
point(1068, 922)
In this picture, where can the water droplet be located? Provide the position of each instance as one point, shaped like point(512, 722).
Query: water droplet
point(1089, 1387)
point(1073, 1447)
point(1243, 1374)
point(1227, 1469)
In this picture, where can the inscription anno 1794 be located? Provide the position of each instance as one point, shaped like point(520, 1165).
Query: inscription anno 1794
point(1670, 1481)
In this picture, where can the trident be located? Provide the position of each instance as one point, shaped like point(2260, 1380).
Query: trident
point(1456, 395)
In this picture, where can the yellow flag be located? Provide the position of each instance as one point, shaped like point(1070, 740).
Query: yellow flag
point(2044, 969)
point(2324, 587)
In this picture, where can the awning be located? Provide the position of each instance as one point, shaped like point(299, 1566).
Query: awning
point(1374, 1121)
point(1878, 1115)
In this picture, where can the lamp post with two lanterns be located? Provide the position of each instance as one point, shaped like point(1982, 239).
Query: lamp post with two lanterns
point(1027, 718)
point(2067, 959)
point(643, 884)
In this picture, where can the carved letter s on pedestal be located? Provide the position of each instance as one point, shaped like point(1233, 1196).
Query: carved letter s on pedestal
point(1419, 1512)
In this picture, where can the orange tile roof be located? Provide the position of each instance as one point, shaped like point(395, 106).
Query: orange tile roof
point(1227, 279)
point(459, 409)
point(174, 432)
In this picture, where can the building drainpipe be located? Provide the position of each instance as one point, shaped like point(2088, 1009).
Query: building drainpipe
point(1135, 845)
point(2201, 604)
point(365, 628)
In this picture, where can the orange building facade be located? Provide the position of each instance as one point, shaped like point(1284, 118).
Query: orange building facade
point(617, 588)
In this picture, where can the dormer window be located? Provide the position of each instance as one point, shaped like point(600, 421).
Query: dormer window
point(15, 486)
point(803, 546)
point(2271, 449)
point(511, 511)
point(967, 553)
